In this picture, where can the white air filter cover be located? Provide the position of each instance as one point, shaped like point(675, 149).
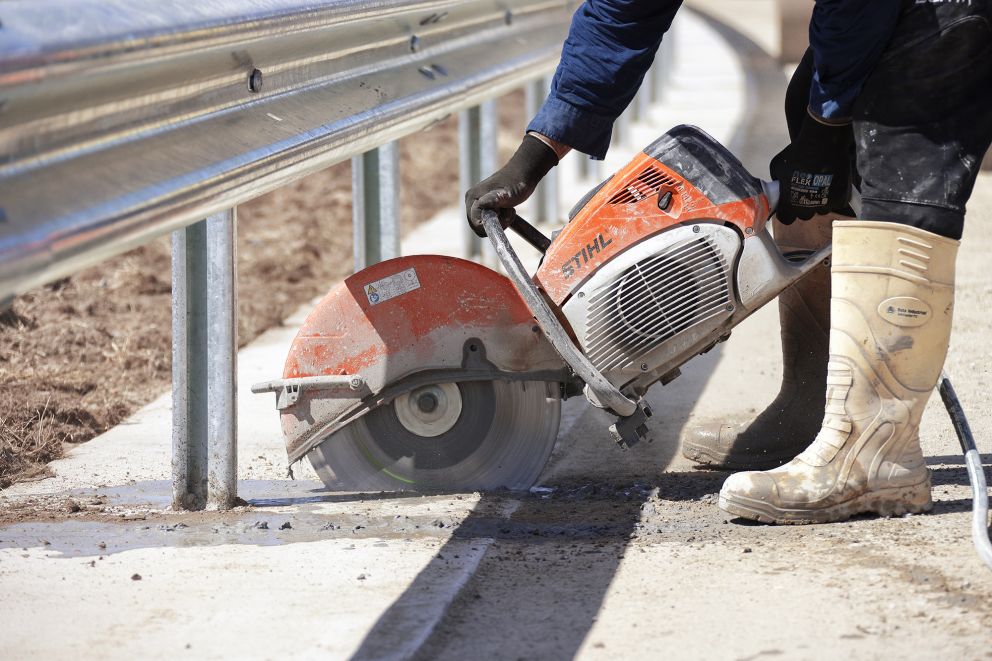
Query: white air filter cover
point(656, 299)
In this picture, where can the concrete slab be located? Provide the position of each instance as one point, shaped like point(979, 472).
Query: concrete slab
point(281, 601)
point(620, 553)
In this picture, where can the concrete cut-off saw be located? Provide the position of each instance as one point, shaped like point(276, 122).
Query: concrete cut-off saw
point(436, 373)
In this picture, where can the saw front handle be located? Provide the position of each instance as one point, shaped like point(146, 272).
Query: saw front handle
point(598, 389)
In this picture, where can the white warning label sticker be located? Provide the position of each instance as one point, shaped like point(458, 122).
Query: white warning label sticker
point(393, 286)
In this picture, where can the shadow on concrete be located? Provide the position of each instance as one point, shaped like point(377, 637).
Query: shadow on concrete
point(956, 460)
point(957, 475)
point(954, 506)
point(950, 469)
point(537, 588)
point(563, 578)
point(556, 554)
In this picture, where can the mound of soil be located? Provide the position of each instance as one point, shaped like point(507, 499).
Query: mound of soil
point(81, 354)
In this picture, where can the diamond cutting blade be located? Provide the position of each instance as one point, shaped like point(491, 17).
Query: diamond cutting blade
point(446, 437)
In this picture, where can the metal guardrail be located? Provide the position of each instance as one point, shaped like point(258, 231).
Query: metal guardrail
point(122, 120)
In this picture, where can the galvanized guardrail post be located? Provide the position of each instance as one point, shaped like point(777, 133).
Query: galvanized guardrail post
point(546, 198)
point(204, 364)
point(664, 63)
point(73, 198)
point(584, 166)
point(478, 143)
point(222, 360)
point(656, 74)
point(643, 99)
point(189, 375)
point(621, 128)
point(375, 188)
point(469, 170)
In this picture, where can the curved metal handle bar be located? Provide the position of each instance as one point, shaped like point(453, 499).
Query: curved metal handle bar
point(604, 391)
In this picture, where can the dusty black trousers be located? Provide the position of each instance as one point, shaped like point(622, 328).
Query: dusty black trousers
point(923, 120)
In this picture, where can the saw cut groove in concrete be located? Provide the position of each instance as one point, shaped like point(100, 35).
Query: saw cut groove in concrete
point(404, 628)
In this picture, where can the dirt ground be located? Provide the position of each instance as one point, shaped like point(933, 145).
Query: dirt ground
point(80, 355)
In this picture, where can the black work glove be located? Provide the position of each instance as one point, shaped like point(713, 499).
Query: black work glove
point(511, 185)
point(814, 172)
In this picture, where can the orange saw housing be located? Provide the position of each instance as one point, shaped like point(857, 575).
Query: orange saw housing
point(625, 210)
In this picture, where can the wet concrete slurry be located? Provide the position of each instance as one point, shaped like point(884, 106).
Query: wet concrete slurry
point(533, 575)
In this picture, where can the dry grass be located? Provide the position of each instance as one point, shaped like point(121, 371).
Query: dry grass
point(24, 450)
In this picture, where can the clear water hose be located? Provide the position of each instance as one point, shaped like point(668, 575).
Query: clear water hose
point(976, 473)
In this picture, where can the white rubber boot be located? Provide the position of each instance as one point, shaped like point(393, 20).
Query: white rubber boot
point(890, 313)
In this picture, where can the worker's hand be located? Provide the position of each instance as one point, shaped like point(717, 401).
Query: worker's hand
point(814, 172)
point(511, 185)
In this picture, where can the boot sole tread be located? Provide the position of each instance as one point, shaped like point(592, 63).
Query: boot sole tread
point(890, 502)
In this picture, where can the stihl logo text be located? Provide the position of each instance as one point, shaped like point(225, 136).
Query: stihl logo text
point(581, 258)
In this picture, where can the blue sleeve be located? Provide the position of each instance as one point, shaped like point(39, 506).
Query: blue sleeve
point(847, 38)
point(610, 46)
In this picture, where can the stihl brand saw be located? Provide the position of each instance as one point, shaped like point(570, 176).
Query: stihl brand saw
point(429, 372)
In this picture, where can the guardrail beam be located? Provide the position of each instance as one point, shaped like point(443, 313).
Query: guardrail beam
point(94, 163)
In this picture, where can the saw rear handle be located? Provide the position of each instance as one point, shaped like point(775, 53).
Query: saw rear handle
point(530, 234)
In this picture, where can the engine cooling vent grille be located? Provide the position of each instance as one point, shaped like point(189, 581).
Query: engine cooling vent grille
point(653, 300)
point(647, 183)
